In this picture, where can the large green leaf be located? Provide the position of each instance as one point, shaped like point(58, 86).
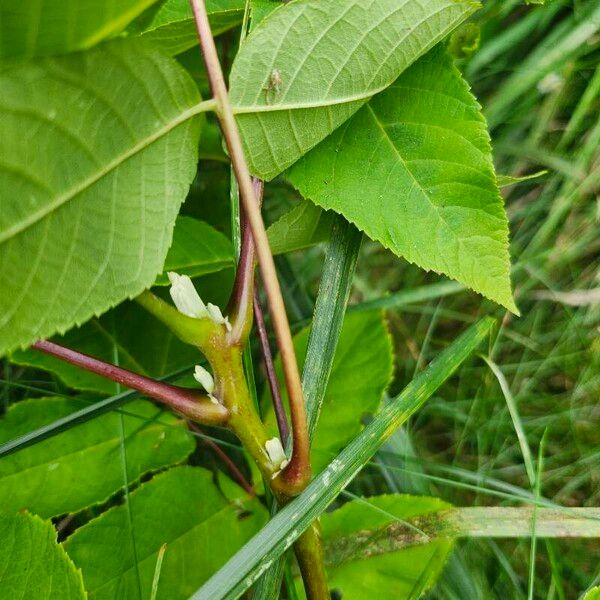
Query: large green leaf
point(127, 335)
point(32, 565)
point(97, 151)
point(361, 371)
point(181, 508)
point(173, 28)
point(197, 249)
point(413, 169)
point(40, 27)
point(398, 575)
point(310, 65)
point(84, 466)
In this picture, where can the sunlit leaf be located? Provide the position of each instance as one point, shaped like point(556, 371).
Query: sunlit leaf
point(413, 169)
point(197, 249)
point(311, 65)
point(303, 226)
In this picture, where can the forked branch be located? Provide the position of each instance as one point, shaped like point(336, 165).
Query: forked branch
point(297, 474)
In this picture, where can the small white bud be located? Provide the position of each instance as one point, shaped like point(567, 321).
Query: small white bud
point(276, 453)
point(214, 312)
point(185, 296)
point(204, 378)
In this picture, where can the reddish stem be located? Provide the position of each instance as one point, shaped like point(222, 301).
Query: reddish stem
point(188, 402)
point(265, 347)
point(296, 475)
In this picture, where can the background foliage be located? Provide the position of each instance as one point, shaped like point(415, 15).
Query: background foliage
point(475, 443)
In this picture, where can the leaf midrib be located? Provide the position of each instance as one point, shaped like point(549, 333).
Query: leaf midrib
point(69, 195)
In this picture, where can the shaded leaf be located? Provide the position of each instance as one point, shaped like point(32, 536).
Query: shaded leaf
point(127, 335)
point(173, 28)
point(32, 564)
point(97, 152)
point(413, 169)
point(83, 466)
point(41, 27)
point(288, 100)
point(398, 575)
point(181, 508)
point(301, 227)
point(197, 249)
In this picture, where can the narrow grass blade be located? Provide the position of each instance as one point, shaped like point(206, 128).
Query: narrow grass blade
point(516, 419)
point(535, 533)
point(336, 282)
point(242, 570)
point(404, 297)
point(157, 570)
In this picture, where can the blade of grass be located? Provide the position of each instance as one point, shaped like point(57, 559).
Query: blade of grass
point(535, 518)
point(567, 40)
point(404, 297)
point(242, 570)
point(516, 419)
point(157, 570)
point(334, 290)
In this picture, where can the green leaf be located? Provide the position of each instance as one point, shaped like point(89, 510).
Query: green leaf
point(127, 335)
point(181, 508)
point(397, 575)
point(310, 65)
point(32, 564)
point(83, 466)
point(97, 151)
point(361, 371)
point(41, 27)
point(301, 227)
point(287, 525)
point(592, 594)
point(413, 169)
point(173, 28)
point(197, 249)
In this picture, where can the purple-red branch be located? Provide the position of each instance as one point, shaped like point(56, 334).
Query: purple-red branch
point(188, 402)
point(282, 423)
point(222, 456)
